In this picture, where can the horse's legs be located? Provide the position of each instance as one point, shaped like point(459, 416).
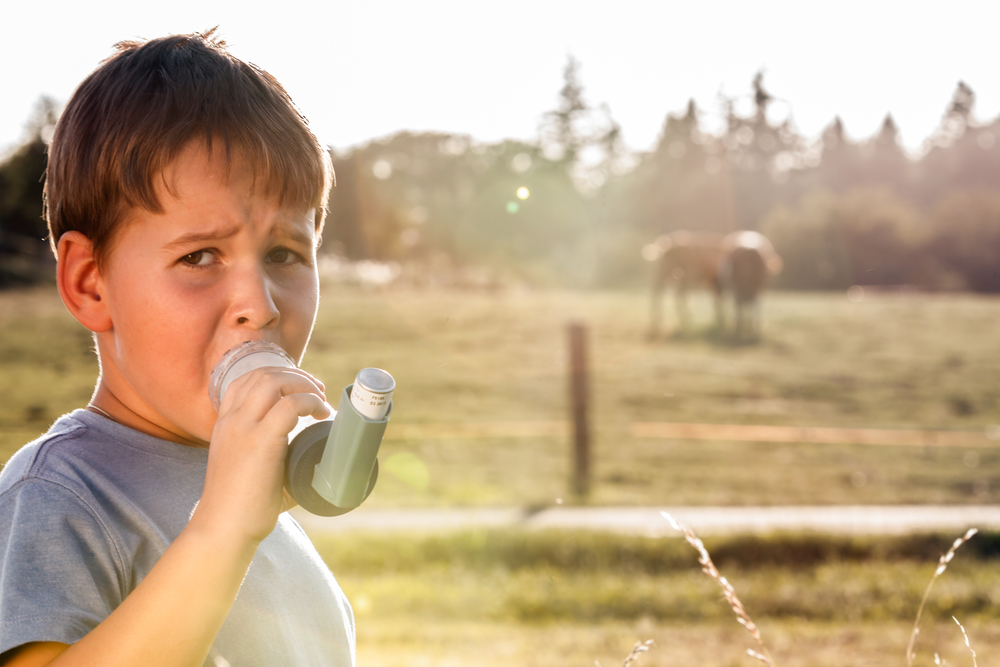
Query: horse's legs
point(720, 315)
point(655, 313)
point(680, 297)
point(740, 316)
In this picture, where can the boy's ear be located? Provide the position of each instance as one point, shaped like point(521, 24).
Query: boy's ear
point(80, 283)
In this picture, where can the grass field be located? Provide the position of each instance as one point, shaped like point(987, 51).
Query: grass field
point(409, 643)
point(560, 599)
point(891, 361)
point(515, 598)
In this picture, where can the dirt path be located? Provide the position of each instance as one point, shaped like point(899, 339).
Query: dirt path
point(648, 521)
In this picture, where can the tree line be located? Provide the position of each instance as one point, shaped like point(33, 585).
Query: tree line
point(574, 207)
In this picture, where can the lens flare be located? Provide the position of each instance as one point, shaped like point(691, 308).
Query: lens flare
point(382, 169)
point(513, 207)
point(523, 193)
point(409, 469)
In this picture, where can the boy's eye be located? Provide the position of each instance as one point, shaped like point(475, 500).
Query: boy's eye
point(198, 258)
point(281, 256)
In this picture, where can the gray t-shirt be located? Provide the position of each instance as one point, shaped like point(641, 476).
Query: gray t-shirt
point(88, 509)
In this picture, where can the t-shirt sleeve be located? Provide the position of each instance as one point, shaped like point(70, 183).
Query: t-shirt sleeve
point(60, 574)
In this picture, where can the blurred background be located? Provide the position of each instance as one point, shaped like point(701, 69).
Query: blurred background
point(500, 171)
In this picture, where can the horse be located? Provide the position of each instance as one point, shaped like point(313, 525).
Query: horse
point(689, 260)
point(739, 263)
point(748, 261)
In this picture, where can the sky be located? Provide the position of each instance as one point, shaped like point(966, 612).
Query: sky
point(364, 70)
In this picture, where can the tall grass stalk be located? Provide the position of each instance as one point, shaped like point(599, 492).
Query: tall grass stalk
point(708, 567)
point(942, 566)
point(967, 645)
point(641, 648)
point(637, 651)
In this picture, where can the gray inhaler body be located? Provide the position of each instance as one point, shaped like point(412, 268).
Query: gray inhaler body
point(331, 465)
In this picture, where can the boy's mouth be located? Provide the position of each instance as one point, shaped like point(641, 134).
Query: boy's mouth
point(241, 359)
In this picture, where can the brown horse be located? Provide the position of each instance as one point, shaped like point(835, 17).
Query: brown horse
point(749, 260)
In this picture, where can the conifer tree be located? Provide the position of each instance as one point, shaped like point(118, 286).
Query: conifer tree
point(584, 141)
point(25, 256)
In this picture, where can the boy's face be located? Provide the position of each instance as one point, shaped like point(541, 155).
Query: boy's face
point(217, 267)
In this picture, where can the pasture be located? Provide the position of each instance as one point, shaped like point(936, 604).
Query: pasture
point(482, 378)
point(496, 598)
point(495, 364)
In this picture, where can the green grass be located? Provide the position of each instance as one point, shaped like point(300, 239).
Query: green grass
point(552, 576)
point(558, 599)
point(926, 362)
point(426, 643)
point(514, 597)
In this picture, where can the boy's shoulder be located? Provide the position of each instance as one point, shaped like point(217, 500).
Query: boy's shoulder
point(90, 456)
point(43, 458)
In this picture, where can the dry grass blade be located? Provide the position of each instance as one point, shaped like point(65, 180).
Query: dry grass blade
point(641, 648)
point(967, 645)
point(942, 565)
point(708, 567)
point(637, 650)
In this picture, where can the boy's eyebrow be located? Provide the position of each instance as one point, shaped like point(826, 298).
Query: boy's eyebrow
point(202, 237)
point(295, 233)
point(282, 229)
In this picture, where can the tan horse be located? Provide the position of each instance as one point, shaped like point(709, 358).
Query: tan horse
point(687, 260)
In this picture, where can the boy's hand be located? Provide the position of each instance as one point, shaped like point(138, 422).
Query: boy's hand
point(244, 492)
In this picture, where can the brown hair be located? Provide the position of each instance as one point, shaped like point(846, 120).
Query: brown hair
point(135, 113)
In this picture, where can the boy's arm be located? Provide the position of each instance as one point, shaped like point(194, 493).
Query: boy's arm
point(171, 618)
point(34, 654)
point(174, 614)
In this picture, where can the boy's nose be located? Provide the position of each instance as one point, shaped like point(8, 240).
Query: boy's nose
point(254, 304)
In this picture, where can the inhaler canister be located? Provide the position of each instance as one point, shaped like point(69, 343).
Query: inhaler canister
point(372, 393)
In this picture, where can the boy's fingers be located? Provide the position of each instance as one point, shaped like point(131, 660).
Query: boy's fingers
point(259, 390)
point(284, 415)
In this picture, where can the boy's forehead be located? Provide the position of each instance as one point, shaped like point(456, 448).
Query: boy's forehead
point(196, 165)
point(199, 169)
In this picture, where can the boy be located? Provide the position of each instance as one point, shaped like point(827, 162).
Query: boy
point(185, 196)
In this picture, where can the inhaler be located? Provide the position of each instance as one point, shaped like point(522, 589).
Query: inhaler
point(331, 465)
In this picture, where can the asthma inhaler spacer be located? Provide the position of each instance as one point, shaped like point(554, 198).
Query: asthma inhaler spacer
point(331, 465)
point(240, 360)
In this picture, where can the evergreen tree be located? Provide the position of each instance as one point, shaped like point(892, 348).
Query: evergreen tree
point(759, 155)
point(961, 155)
point(562, 135)
point(678, 185)
point(583, 140)
point(25, 256)
point(885, 162)
point(840, 168)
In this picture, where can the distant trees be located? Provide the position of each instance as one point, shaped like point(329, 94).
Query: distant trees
point(864, 237)
point(965, 238)
point(679, 184)
point(581, 138)
point(574, 207)
point(25, 256)
point(878, 217)
point(441, 199)
point(840, 212)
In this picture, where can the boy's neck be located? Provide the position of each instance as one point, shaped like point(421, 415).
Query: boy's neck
point(107, 403)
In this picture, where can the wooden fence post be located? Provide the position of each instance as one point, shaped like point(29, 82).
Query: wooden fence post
point(578, 392)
